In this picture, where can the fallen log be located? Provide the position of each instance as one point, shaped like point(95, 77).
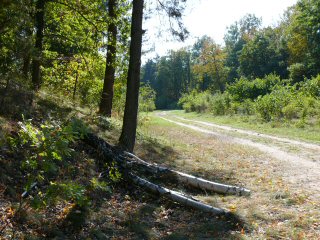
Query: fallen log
point(176, 196)
point(110, 153)
point(195, 181)
point(122, 159)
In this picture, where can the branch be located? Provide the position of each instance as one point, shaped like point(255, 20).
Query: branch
point(82, 15)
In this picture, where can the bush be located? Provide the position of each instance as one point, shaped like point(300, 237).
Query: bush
point(244, 89)
point(47, 154)
point(247, 107)
point(287, 102)
point(297, 71)
point(311, 87)
point(270, 106)
point(147, 99)
point(270, 98)
point(220, 104)
point(195, 101)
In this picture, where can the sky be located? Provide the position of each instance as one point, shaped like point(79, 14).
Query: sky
point(211, 17)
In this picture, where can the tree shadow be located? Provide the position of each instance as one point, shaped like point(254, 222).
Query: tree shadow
point(160, 219)
point(153, 151)
point(15, 101)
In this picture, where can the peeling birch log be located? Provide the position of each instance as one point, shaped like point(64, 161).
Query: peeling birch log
point(122, 159)
point(110, 153)
point(195, 181)
point(177, 197)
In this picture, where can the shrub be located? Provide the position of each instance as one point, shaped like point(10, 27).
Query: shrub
point(311, 87)
point(297, 71)
point(47, 153)
point(287, 102)
point(147, 99)
point(244, 89)
point(220, 103)
point(195, 101)
point(270, 106)
point(247, 107)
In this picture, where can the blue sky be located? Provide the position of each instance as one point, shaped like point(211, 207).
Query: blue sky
point(212, 17)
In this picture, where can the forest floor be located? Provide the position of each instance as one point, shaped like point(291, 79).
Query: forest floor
point(279, 207)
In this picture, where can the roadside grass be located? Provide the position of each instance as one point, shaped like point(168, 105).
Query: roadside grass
point(127, 213)
point(275, 210)
point(241, 134)
point(310, 133)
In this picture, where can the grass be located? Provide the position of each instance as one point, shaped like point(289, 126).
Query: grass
point(128, 213)
point(276, 209)
point(290, 130)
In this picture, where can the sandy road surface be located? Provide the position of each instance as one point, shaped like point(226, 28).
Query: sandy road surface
point(299, 162)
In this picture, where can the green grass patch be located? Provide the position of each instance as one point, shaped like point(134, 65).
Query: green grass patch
point(288, 130)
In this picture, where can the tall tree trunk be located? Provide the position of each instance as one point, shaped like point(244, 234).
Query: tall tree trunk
point(27, 54)
point(105, 106)
point(128, 134)
point(188, 84)
point(26, 65)
point(36, 61)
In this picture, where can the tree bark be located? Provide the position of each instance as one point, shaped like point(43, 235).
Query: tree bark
point(105, 106)
point(131, 162)
point(176, 196)
point(108, 154)
point(36, 61)
point(191, 180)
point(128, 134)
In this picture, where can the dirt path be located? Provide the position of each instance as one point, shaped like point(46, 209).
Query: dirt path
point(299, 162)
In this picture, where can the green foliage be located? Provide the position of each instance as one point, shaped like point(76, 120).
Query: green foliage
point(270, 106)
point(311, 87)
point(47, 151)
point(246, 107)
point(244, 89)
point(195, 101)
point(263, 55)
point(69, 191)
point(297, 72)
point(218, 104)
point(46, 146)
point(270, 98)
point(289, 103)
point(147, 98)
point(78, 78)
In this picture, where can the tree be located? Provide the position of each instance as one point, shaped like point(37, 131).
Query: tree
point(36, 61)
point(128, 134)
point(263, 55)
point(304, 35)
point(105, 106)
point(173, 10)
point(209, 65)
point(15, 39)
point(149, 72)
point(238, 34)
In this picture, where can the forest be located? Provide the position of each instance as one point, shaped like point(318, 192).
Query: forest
point(258, 71)
point(210, 141)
